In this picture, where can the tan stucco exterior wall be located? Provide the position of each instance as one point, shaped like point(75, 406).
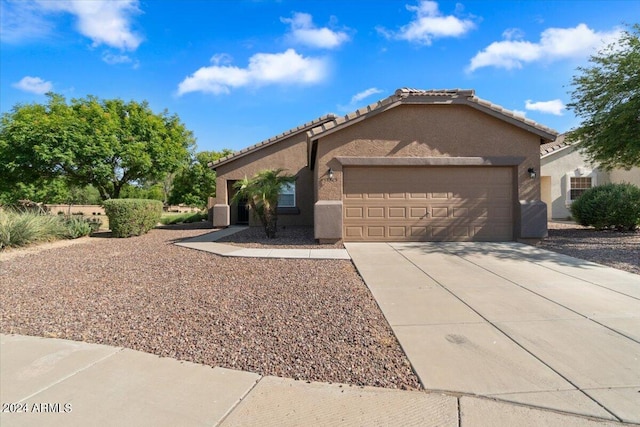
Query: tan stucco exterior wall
point(429, 131)
point(289, 154)
point(631, 176)
point(559, 167)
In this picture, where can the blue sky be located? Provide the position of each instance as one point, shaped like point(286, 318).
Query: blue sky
point(238, 72)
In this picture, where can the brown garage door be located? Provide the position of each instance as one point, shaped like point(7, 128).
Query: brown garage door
point(428, 204)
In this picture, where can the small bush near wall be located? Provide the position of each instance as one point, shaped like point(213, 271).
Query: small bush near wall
point(188, 217)
point(132, 217)
point(615, 206)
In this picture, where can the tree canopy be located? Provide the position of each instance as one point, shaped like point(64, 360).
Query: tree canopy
point(194, 183)
point(102, 143)
point(606, 96)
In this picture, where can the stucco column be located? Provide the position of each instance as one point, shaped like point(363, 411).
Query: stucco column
point(533, 220)
point(221, 215)
point(328, 220)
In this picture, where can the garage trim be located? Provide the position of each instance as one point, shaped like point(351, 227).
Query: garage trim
point(430, 161)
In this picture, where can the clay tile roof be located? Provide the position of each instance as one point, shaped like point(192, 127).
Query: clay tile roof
point(272, 140)
point(437, 96)
point(555, 146)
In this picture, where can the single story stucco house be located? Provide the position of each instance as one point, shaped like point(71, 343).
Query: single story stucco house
point(565, 174)
point(420, 165)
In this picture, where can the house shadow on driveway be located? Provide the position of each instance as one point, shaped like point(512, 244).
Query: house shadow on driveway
point(506, 251)
point(512, 321)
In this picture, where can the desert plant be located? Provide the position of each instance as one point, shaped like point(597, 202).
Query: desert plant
point(609, 206)
point(261, 193)
point(78, 227)
point(23, 228)
point(132, 217)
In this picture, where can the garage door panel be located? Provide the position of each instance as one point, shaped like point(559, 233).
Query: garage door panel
point(460, 212)
point(479, 212)
point(429, 203)
point(439, 232)
point(458, 231)
point(356, 196)
point(377, 212)
point(439, 212)
point(375, 231)
point(501, 213)
point(353, 232)
point(397, 212)
point(439, 196)
point(397, 231)
point(354, 212)
point(418, 213)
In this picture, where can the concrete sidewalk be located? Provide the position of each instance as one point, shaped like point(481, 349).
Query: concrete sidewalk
point(512, 322)
point(208, 243)
point(52, 382)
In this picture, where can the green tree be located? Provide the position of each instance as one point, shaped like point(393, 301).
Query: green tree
point(261, 193)
point(103, 143)
point(196, 182)
point(606, 96)
point(45, 191)
point(149, 191)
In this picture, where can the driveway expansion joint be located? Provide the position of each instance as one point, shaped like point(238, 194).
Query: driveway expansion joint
point(394, 271)
point(74, 373)
point(494, 325)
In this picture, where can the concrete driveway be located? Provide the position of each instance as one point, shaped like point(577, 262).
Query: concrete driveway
point(513, 322)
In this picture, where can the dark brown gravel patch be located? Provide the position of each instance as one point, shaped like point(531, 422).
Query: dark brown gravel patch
point(616, 249)
point(311, 320)
point(286, 238)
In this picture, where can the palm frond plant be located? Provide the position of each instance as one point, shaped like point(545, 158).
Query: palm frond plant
point(261, 194)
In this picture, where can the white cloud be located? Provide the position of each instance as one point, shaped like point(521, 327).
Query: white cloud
point(512, 34)
point(103, 21)
point(428, 24)
point(364, 94)
point(554, 106)
point(34, 85)
point(357, 98)
point(221, 58)
point(22, 21)
point(114, 59)
point(264, 68)
point(304, 32)
point(555, 44)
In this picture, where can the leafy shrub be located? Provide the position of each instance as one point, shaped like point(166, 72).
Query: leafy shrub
point(23, 228)
point(183, 218)
point(132, 217)
point(78, 227)
point(615, 206)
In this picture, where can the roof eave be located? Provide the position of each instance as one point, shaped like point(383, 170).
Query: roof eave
point(271, 141)
point(436, 97)
point(505, 115)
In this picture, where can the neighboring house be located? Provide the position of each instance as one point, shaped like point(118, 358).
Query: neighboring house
point(565, 174)
point(439, 165)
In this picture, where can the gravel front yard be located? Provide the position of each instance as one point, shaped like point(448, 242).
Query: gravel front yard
point(620, 250)
point(286, 238)
point(311, 320)
point(303, 319)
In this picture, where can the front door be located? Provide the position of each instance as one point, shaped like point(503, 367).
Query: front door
point(243, 212)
